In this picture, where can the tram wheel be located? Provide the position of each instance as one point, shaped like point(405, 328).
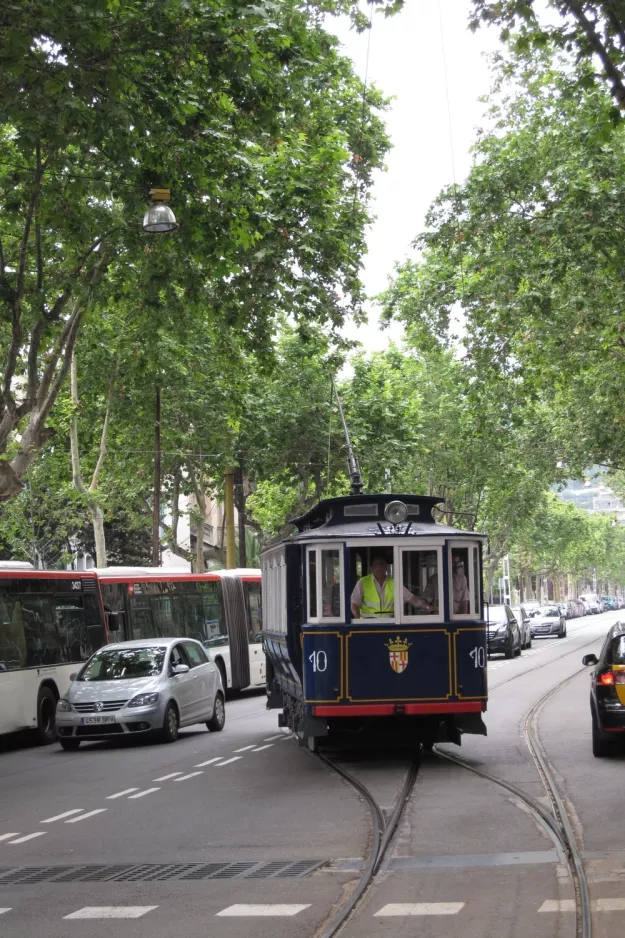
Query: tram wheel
point(46, 716)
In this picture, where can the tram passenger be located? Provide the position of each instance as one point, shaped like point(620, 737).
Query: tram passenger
point(373, 595)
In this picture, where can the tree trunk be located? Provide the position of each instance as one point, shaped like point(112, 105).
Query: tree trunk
point(97, 519)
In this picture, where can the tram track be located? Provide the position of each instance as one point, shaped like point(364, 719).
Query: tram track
point(382, 833)
point(557, 821)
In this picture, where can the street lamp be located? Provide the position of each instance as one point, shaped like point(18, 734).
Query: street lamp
point(159, 218)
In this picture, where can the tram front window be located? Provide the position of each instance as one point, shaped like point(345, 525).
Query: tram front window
point(421, 582)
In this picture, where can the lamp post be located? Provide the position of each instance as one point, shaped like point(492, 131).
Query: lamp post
point(159, 218)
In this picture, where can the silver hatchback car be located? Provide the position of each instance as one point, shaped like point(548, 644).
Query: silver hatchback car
point(139, 687)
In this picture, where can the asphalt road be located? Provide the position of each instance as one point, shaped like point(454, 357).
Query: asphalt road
point(174, 836)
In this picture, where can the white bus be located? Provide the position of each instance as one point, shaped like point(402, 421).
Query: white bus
point(50, 622)
point(222, 609)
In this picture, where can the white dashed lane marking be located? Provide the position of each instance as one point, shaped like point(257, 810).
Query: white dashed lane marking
point(164, 778)
point(244, 748)
point(120, 794)
point(268, 739)
point(260, 748)
point(241, 911)
point(201, 765)
point(228, 761)
point(8, 836)
point(59, 817)
point(2, 911)
point(141, 794)
point(112, 911)
point(83, 817)
point(22, 840)
point(419, 908)
point(183, 778)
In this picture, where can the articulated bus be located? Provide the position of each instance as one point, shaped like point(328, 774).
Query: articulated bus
point(222, 609)
point(53, 620)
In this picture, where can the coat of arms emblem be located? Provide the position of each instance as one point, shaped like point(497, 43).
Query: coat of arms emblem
point(398, 653)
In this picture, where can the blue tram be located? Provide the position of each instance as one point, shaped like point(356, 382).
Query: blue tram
point(373, 613)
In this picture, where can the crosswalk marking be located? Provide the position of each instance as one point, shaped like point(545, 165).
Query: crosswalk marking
point(246, 911)
point(420, 908)
point(83, 817)
point(120, 794)
point(59, 817)
point(568, 905)
point(111, 911)
point(22, 840)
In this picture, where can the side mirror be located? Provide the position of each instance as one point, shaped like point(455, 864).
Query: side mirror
point(181, 669)
point(73, 675)
point(590, 659)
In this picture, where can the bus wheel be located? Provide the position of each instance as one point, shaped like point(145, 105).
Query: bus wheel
point(218, 719)
point(222, 670)
point(46, 716)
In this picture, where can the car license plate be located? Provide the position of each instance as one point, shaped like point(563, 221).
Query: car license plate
point(89, 721)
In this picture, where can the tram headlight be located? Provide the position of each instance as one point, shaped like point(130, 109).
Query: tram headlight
point(395, 512)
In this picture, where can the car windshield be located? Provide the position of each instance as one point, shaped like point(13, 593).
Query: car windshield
point(549, 612)
point(121, 664)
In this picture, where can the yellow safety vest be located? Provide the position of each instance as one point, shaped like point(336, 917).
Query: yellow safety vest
point(371, 603)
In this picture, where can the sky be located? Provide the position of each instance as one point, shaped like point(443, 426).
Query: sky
point(434, 68)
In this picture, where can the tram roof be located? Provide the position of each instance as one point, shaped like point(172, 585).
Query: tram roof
point(363, 516)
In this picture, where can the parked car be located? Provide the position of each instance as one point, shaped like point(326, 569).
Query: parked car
point(591, 600)
point(608, 602)
point(139, 687)
point(607, 692)
point(504, 634)
point(520, 614)
point(549, 620)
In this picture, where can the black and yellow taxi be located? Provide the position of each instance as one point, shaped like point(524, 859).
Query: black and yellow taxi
point(607, 693)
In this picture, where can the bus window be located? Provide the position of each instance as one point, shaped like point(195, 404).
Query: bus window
point(141, 618)
point(254, 610)
point(215, 632)
point(95, 636)
point(194, 610)
point(421, 579)
point(12, 634)
point(43, 642)
point(70, 627)
point(168, 615)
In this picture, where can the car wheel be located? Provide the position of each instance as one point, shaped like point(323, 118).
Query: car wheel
point(519, 649)
point(46, 716)
point(529, 642)
point(509, 652)
point(69, 745)
point(600, 747)
point(218, 719)
point(171, 723)
point(562, 633)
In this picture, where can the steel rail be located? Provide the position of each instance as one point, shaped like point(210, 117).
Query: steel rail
point(382, 831)
point(558, 822)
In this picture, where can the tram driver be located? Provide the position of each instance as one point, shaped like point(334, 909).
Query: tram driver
point(374, 594)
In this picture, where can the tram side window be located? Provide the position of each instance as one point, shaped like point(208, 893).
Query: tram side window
point(12, 634)
point(253, 602)
point(312, 584)
point(421, 583)
point(477, 605)
point(465, 580)
point(331, 584)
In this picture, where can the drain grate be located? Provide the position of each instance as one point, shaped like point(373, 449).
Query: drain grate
point(158, 872)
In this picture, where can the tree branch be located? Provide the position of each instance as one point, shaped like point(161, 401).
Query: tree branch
point(618, 88)
point(73, 429)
